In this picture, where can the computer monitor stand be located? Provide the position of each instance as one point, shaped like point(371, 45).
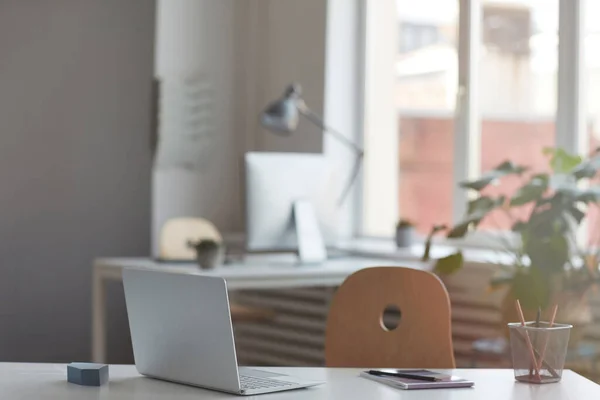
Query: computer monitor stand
point(311, 247)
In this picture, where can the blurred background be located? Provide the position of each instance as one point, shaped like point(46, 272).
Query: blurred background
point(119, 117)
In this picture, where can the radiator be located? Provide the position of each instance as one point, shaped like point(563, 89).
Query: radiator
point(295, 335)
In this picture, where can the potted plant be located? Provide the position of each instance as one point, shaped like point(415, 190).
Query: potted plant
point(405, 232)
point(549, 265)
point(209, 253)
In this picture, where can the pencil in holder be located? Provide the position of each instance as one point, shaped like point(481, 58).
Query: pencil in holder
point(539, 351)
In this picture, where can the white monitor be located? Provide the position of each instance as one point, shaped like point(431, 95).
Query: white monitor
point(291, 203)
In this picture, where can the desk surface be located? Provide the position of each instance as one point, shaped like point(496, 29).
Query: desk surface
point(48, 382)
point(261, 271)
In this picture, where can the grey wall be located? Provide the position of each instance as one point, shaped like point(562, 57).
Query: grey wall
point(75, 80)
point(278, 42)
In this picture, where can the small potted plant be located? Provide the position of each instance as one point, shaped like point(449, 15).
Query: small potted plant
point(209, 253)
point(405, 232)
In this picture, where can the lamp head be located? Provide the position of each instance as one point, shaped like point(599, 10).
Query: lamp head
point(282, 115)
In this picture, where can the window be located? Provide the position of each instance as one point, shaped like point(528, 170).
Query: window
point(592, 71)
point(592, 80)
point(519, 58)
point(425, 91)
point(414, 35)
point(478, 82)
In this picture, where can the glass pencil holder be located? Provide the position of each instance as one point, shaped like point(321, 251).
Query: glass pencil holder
point(539, 351)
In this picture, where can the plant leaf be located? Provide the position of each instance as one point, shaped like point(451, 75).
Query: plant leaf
point(589, 195)
point(532, 288)
point(548, 253)
point(435, 229)
point(508, 167)
point(459, 230)
point(587, 169)
point(505, 168)
point(551, 221)
point(562, 162)
point(449, 264)
point(479, 184)
point(477, 210)
point(519, 226)
point(531, 191)
point(484, 204)
point(576, 213)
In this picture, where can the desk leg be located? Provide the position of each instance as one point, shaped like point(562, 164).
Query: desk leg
point(98, 317)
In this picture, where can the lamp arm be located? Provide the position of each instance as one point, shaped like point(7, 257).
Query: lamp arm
point(352, 179)
point(359, 152)
point(318, 121)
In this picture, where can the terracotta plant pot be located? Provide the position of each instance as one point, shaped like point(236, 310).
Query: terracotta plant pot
point(574, 310)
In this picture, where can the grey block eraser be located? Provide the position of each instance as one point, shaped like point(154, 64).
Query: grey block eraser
point(87, 374)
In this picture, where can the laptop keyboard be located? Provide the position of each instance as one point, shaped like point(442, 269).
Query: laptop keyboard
point(252, 382)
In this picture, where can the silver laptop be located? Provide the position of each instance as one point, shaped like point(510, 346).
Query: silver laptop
point(181, 332)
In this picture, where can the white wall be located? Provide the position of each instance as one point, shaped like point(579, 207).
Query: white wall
point(196, 37)
point(317, 44)
point(275, 42)
point(285, 42)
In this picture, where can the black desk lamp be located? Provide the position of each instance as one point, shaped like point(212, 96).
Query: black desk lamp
point(282, 117)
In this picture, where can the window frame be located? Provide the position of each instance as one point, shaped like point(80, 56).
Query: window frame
point(571, 111)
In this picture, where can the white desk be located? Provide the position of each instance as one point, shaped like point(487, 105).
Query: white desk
point(48, 382)
point(256, 272)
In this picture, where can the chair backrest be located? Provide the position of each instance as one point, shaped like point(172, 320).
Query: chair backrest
point(356, 335)
point(176, 233)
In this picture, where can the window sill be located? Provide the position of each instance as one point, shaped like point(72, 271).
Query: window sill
point(477, 249)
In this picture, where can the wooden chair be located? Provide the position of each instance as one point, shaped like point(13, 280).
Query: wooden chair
point(356, 335)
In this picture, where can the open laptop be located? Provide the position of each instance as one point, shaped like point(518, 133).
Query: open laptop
point(181, 332)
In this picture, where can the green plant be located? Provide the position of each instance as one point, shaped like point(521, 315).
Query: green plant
point(546, 212)
point(448, 264)
point(203, 245)
point(404, 223)
point(429, 241)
